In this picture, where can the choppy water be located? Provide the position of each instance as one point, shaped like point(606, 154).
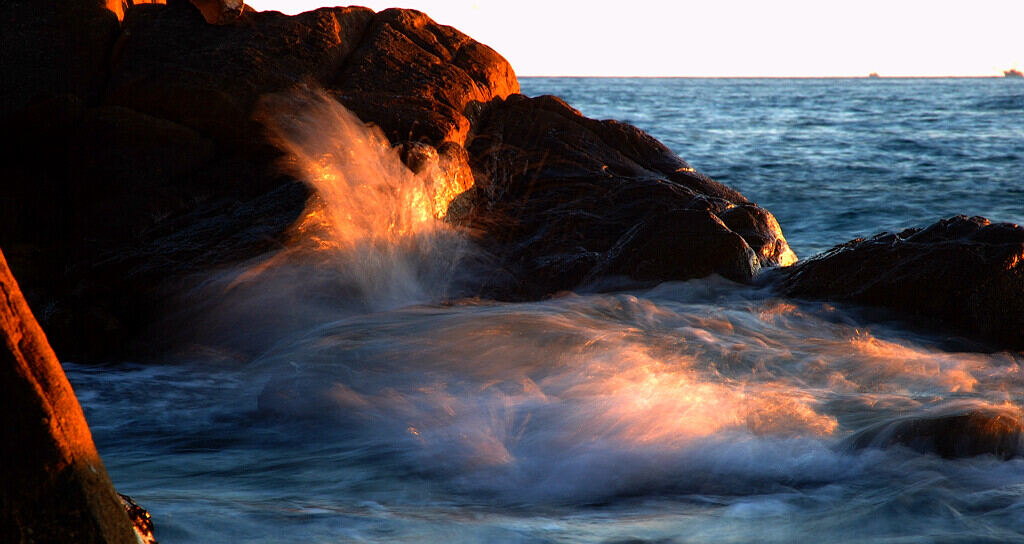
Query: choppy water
point(345, 392)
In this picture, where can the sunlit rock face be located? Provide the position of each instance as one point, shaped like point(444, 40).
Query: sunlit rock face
point(964, 275)
point(54, 488)
point(566, 200)
point(414, 78)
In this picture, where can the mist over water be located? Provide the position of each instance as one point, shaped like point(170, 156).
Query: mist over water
point(351, 393)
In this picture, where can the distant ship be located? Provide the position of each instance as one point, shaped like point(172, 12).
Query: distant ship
point(874, 75)
point(1013, 72)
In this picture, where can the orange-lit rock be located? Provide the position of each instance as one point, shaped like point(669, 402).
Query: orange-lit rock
point(118, 7)
point(414, 78)
point(761, 230)
point(54, 488)
point(961, 275)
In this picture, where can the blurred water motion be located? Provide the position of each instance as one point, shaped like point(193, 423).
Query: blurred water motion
point(345, 390)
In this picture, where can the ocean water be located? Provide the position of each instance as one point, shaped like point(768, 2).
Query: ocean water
point(344, 389)
point(833, 159)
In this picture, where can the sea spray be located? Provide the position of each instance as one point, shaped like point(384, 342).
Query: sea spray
point(370, 238)
point(583, 399)
point(373, 221)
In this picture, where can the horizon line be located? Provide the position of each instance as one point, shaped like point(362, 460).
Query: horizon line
point(762, 77)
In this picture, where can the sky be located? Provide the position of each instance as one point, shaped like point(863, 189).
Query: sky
point(722, 38)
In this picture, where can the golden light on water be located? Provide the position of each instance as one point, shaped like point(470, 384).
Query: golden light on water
point(648, 401)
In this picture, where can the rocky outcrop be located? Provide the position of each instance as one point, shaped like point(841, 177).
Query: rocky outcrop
point(55, 488)
point(564, 199)
point(153, 164)
point(962, 274)
point(156, 165)
point(952, 432)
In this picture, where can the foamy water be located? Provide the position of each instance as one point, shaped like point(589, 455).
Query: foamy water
point(345, 390)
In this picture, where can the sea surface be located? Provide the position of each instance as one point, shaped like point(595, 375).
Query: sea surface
point(345, 388)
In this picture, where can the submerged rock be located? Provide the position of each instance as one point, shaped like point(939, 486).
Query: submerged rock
point(962, 274)
point(54, 488)
point(563, 199)
point(951, 433)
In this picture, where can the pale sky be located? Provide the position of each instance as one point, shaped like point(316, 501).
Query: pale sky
point(715, 38)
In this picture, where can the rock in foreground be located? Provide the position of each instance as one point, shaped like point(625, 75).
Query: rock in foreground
point(960, 274)
point(54, 488)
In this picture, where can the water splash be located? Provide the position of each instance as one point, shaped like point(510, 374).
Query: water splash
point(369, 239)
point(365, 195)
point(371, 220)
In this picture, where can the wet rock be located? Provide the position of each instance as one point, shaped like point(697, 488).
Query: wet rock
point(55, 488)
point(963, 275)
point(951, 433)
point(564, 199)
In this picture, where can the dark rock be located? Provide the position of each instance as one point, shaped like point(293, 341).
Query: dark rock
point(681, 244)
point(964, 275)
point(564, 199)
point(55, 488)
point(219, 12)
point(112, 199)
point(169, 63)
point(53, 48)
point(951, 433)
